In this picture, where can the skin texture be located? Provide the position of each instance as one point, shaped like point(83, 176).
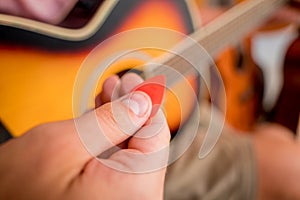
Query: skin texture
point(278, 162)
point(50, 162)
point(50, 11)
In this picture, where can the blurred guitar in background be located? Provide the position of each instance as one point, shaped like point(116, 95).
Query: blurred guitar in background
point(245, 81)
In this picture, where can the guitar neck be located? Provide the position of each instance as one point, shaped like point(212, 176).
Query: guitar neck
point(225, 30)
point(230, 27)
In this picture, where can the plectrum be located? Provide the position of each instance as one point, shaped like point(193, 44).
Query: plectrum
point(155, 88)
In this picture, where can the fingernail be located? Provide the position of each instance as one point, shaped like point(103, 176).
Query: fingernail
point(138, 102)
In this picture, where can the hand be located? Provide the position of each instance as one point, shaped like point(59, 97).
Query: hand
point(50, 162)
point(50, 11)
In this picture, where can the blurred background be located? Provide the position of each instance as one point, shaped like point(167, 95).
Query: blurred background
point(272, 47)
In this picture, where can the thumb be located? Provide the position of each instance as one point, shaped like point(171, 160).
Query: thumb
point(113, 122)
point(148, 149)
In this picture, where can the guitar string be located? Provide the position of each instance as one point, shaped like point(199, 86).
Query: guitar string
point(214, 41)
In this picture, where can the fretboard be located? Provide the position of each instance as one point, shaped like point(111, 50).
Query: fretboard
point(227, 29)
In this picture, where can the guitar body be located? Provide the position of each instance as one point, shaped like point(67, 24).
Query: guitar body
point(40, 62)
point(38, 70)
point(243, 83)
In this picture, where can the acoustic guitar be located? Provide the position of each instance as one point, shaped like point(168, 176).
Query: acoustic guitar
point(39, 62)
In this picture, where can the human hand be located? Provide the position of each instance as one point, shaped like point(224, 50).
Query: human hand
point(50, 162)
point(51, 11)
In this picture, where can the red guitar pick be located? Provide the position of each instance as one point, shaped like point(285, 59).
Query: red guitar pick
point(155, 88)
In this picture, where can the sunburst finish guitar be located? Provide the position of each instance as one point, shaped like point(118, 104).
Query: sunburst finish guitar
point(39, 62)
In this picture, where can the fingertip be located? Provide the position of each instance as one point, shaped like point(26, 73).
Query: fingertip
point(110, 89)
point(129, 81)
